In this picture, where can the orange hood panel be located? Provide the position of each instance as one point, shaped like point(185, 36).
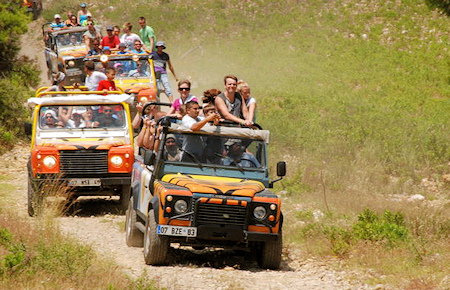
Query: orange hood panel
point(99, 144)
point(215, 185)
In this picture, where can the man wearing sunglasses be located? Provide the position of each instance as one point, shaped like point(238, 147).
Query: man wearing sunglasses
point(91, 34)
point(106, 119)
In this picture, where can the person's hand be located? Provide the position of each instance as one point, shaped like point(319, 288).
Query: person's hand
point(139, 107)
point(247, 123)
point(176, 79)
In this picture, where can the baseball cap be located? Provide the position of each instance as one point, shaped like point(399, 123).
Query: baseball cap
point(83, 5)
point(109, 27)
point(170, 136)
point(233, 141)
point(161, 43)
point(106, 48)
point(78, 110)
point(57, 16)
point(51, 112)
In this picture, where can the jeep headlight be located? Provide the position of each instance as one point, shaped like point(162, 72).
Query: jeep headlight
point(181, 206)
point(71, 63)
point(116, 161)
point(49, 161)
point(260, 212)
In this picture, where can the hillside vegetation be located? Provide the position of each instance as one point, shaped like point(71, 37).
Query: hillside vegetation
point(356, 96)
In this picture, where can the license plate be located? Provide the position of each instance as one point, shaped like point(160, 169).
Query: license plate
point(177, 231)
point(71, 73)
point(84, 182)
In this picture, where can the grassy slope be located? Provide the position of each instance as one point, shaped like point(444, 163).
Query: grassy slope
point(354, 92)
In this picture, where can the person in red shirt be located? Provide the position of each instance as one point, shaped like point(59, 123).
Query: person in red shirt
point(112, 40)
point(108, 84)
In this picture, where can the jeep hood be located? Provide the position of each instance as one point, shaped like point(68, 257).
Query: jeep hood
point(76, 143)
point(215, 185)
point(133, 86)
point(80, 52)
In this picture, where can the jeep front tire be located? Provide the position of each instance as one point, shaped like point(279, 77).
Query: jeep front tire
point(156, 247)
point(134, 236)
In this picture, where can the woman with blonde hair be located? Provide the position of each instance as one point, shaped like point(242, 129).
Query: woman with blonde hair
point(244, 89)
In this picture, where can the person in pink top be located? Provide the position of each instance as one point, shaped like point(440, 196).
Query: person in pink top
point(184, 88)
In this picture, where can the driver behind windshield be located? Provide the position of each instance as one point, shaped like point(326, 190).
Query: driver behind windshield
point(237, 157)
point(140, 71)
point(107, 118)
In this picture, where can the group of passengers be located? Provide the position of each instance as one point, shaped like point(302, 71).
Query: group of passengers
point(106, 116)
point(234, 104)
point(114, 43)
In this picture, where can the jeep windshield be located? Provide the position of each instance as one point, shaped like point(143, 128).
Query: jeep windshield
point(70, 41)
point(129, 69)
point(214, 151)
point(90, 117)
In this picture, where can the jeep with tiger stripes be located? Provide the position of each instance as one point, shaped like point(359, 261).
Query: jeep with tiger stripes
point(214, 195)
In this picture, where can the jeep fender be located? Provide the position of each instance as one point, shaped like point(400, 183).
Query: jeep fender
point(155, 206)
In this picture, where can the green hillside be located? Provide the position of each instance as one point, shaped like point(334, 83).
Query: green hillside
point(356, 96)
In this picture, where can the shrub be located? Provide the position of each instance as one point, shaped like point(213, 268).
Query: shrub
point(389, 227)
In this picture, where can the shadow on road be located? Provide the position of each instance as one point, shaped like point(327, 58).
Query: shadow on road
point(86, 207)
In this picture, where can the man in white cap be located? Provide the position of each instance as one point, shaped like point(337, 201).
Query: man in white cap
point(160, 59)
point(57, 24)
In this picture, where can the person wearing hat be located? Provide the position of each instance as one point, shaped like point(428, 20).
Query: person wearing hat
point(110, 40)
point(77, 120)
point(122, 48)
point(58, 83)
point(82, 13)
point(57, 24)
point(171, 150)
point(160, 60)
point(50, 120)
point(147, 35)
point(236, 155)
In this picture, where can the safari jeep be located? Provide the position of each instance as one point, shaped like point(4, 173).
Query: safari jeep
point(135, 74)
point(83, 140)
point(64, 51)
point(33, 6)
point(218, 198)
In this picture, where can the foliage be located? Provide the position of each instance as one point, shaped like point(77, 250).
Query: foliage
point(443, 5)
point(389, 227)
point(17, 74)
point(13, 23)
point(15, 252)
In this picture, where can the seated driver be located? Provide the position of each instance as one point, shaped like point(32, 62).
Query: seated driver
point(237, 157)
point(107, 118)
point(140, 71)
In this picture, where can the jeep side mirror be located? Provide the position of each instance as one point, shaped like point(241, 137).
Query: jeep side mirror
point(149, 157)
point(28, 127)
point(281, 171)
point(281, 168)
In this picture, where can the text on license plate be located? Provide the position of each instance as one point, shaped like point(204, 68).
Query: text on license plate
point(84, 182)
point(177, 231)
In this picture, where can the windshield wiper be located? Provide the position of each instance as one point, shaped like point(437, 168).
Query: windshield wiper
point(193, 157)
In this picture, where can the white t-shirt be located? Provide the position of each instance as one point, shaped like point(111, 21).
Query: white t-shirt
point(93, 80)
point(129, 40)
point(188, 121)
point(192, 143)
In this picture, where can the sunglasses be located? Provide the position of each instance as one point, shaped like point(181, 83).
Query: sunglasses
point(170, 141)
point(48, 117)
point(107, 110)
point(184, 89)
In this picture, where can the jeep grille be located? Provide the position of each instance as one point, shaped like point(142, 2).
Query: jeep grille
point(220, 214)
point(84, 162)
